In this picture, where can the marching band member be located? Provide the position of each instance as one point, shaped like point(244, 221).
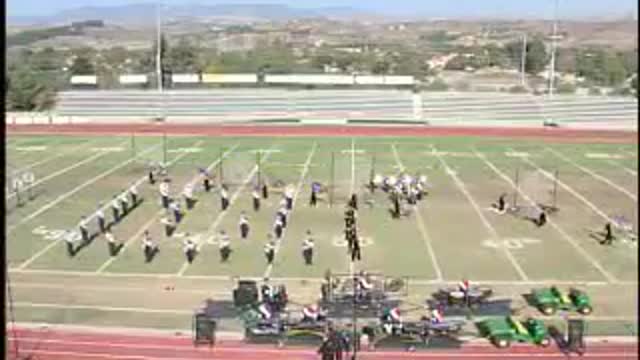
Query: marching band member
point(244, 225)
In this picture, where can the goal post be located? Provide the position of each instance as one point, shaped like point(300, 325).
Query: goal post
point(541, 186)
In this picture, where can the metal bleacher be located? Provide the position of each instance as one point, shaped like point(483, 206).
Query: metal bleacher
point(437, 108)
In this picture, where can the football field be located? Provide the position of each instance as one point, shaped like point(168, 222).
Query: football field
point(448, 236)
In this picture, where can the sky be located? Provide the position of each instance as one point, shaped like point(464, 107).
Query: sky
point(430, 8)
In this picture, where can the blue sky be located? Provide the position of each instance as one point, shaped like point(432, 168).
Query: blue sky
point(432, 8)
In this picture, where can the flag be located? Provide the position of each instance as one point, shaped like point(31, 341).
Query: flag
point(464, 285)
point(436, 316)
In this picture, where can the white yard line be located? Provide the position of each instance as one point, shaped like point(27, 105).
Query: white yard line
point(594, 175)
point(75, 190)
point(231, 278)
point(62, 171)
point(46, 160)
point(566, 236)
point(626, 169)
point(222, 214)
point(61, 198)
point(476, 207)
point(100, 308)
point(305, 170)
point(150, 222)
point(630, 153)
point(70, 287)
point(420, 222)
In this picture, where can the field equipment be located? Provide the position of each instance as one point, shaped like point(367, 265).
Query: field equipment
point(338, 289)
point(550, 300)
point(475, 297)
point(274, 296)
point(256, 327)
point(282, 327)
point(540, 190)
point(503, 331)
point(413, 331)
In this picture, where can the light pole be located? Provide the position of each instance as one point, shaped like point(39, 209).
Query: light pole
point(158, 47)
point(552, 66)
point(161, 104)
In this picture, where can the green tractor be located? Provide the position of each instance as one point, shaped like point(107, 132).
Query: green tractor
point(550, 300)
point(503, 331)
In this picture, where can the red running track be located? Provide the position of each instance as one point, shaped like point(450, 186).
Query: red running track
point(555, 134)
point(45, 344)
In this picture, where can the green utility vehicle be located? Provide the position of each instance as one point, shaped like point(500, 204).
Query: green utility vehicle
point(550, 300)
point(503, 331)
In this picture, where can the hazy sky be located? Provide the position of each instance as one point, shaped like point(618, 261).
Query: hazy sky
point(431, 8)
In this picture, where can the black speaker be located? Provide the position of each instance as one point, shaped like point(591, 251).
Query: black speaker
point(246, 293)
point(204, 329)
point(575, 342)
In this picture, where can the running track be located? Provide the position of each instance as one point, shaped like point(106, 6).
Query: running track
point(44, 344)
point(69, 345)
point(541, 133)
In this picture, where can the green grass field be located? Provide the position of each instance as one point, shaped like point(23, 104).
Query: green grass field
point(450, 236)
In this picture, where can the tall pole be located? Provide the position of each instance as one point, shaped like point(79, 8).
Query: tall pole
point(354, 340)
point(133, 145)
point(164, 147)
point(158, 47)
point(333, 160)
point(552, 67)
point(258, 165)
point(555, 189)
point(220, 166)
point(523, 60)
point(515, 193)
point(12, 319)
point(373, 168)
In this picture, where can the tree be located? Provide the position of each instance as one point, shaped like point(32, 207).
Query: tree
point(565, 88)
point(381, 67)
point(630, 60)
point(589, 64)
point(536, 58)
point(411, 64)
point(437, 85)
point(615, 70)
point(497, 56)
point(183, 58)
point(601, 68)
point(27, 91)
point(116, 56)
point(319, 61)
point(82, 66)
point(634, 84)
